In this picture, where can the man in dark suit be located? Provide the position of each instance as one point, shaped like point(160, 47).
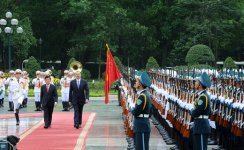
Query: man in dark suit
point(78, 96)
point(49, 98)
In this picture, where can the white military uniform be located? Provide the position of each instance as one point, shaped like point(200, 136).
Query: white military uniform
point(65, 84)
point(37, 82)
point(16, 87)
point(26, 81)
point(2, 88)
point(8, 82)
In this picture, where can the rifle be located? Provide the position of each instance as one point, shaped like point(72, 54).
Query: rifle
point(186, 132)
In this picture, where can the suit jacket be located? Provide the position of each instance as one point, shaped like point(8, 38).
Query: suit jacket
point(78, 95)
point(50, 96)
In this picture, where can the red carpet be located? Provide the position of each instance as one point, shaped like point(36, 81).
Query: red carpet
point(61, 136)
point(6, 116)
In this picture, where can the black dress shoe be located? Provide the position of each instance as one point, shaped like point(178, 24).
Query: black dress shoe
point(17, 123)
point(76, 126)
point(45, 127)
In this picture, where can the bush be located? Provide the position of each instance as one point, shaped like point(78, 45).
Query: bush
point(32, 66)
point(152, 63)
point(56, 82)
point(56, 73)
point(229, 63)
point(85, 74)
point(199, 54)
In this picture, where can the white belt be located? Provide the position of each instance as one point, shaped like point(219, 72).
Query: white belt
point(143, 116)
point(202, 117)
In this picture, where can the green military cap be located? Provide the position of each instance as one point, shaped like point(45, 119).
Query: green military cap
point(205, 80)
point(138, 74)
point(145, 79)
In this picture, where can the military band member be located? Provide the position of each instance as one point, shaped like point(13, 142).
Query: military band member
point(37, 82)
point(8, 83)
point(16, 87)
point(26, 80)
point(200, 113)
point(141, 113)
point(2, 88)
point(65, 84)
point(49, 73)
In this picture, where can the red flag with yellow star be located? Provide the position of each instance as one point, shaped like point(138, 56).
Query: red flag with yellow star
point(112, 73)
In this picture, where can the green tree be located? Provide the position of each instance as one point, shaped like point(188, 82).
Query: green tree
point(32, 66)
point(152, 63)
point(134, 29)
point(229, 63)
point(85, 74)
point(199, 54)
point(23, 41)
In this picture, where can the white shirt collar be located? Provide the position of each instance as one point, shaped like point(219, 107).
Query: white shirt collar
point(139, 92)
point(199, 93)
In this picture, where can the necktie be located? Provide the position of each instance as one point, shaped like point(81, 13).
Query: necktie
point(78, 83)
point(47, 88)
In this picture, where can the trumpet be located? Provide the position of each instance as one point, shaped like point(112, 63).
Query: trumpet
point(76, 66)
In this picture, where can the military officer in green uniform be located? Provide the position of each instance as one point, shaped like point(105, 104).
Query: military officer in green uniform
point(200, 113)
point(141, 113)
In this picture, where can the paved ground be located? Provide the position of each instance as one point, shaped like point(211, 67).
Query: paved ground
point(107, 131)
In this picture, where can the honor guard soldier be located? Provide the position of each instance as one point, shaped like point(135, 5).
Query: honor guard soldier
point(8, 83)
point(16, 87)
point(49, 73)
point(26, 80)
point(2, 88)
point(200, 113)
point(65, 84)
point(37, 82)
point(141, 113)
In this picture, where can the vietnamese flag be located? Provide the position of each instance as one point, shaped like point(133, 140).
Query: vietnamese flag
point(112, 73)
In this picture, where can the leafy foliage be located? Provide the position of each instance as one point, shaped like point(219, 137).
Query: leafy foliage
point(229, 63)
point(199, 54)
point(152, 64)
point(85, 74)
point(32, 66)
point(134, 29)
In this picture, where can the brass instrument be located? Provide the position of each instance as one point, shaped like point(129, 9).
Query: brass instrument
point(76, 66)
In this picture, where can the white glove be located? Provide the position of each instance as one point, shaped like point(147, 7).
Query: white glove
point(87, 101)
point(132, 105)
point(55, 104)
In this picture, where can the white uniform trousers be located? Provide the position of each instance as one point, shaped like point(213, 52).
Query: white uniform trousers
point(2, 94)
point(17, 102)
point(65, 96)
point(37, 97)
point(10, 97)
